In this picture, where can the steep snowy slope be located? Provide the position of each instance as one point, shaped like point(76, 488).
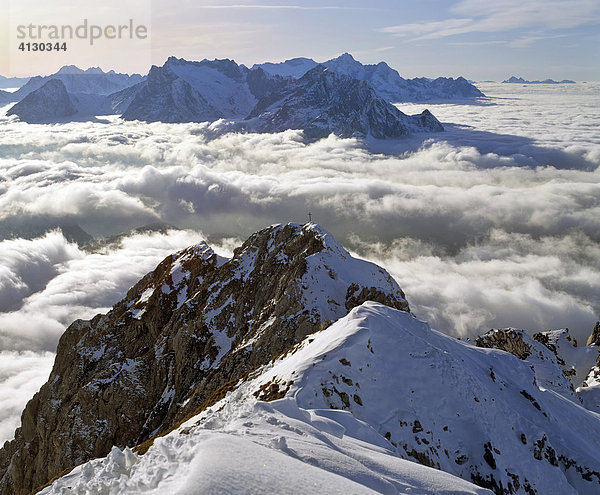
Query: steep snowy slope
point(165, 97)
point(558, 362)
point(184, 91)
point(353, 400)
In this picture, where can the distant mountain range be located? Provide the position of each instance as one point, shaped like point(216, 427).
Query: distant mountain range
point(385, 80)
point(520, 80)
point(341, 96)
point(91, 81)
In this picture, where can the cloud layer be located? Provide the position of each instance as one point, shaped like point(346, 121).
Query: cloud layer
point(495, 222)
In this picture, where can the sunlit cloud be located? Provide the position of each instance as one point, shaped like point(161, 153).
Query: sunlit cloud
point(495, 222)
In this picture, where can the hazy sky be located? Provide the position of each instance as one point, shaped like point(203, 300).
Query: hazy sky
point(478, 39)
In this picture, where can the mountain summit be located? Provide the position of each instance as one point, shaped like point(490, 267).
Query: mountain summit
point(193, 325)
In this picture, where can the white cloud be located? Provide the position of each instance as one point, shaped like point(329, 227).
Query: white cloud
point(75, 284)
point(21, 376)
point(494, 222)
point(503, 16)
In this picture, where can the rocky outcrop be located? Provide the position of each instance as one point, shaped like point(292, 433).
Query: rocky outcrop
point(551, 370)
point(181, 334)
point(509, 340)
point(594, 338)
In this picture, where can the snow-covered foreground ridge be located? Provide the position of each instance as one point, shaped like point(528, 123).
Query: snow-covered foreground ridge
point(295, 368)
point(340, 412)
point(181, 334)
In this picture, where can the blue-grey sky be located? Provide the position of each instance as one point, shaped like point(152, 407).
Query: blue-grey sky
point(479, 39)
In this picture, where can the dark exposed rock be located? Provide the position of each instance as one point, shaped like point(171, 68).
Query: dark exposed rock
point(508, 340)
point(182, 333)
point(323, 102)
point(594, 338)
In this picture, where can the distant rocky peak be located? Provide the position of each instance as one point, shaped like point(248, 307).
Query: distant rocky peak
point(46, 104)
point(70, 69)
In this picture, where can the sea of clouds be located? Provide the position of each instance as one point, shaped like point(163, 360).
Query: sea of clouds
point(493, 223)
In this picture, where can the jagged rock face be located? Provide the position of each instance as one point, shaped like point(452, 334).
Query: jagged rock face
point(594, 338)
point(167, 98)
point(324, 102)
point(183, 91)
point(558, 362)
point(186, 329)
point(508, 340)
point(48, 103)
point(592, 380)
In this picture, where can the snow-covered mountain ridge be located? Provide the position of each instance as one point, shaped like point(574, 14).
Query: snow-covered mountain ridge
point(192, 325)
point(294, 361)
point(357, 400)
point(321, 102)
point(386, 81)
point(356, 102)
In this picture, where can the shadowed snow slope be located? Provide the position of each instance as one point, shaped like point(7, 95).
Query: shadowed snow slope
point(358, 400)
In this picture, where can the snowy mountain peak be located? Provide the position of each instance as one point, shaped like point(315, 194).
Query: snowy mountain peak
point(294, 67)
point(70, 69)
point(183, 332)
point(344, 58)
